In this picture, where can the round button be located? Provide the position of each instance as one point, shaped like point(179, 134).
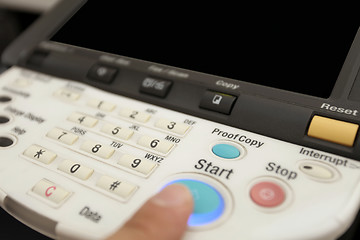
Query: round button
point(318, 171)
point(208, 202)
point(267, 194)
point(4, 119)
point(4, 99)
point(5, 141)
point(226, 150)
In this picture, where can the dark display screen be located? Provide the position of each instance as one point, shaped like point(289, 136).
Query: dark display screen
point(300, 52)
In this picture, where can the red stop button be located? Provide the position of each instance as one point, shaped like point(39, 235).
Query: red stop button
point(267, 194)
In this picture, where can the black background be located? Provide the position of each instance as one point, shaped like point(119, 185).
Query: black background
point(301, 51)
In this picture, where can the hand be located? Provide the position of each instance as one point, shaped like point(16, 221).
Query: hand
point(162, 217)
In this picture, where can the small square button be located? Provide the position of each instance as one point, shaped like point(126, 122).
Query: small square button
point(102, 73)
point(218, 102)
point(155, 87)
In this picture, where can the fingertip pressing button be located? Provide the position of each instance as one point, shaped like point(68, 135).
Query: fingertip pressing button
point(208, 202)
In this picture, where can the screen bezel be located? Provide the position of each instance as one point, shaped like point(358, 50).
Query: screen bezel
point(287, 51)
point(50, 22)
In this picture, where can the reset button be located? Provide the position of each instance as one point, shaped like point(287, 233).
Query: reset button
point(332, 130)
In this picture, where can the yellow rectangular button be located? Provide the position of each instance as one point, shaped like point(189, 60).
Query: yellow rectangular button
point(332, 130)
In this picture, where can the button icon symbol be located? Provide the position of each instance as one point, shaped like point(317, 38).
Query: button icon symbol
point(101, 71)
point(217, 99)
point(49, 191)
point(267, 194)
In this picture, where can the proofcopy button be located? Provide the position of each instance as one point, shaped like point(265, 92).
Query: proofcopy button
point(225, 150)
point(50, 191)
point(218, 102)
point(332, 130)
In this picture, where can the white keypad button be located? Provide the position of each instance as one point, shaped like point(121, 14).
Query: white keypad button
point(97, 149)
point(102, 105)
point(135, 115)
point(67, 95)
point(50, 191)
point(83, 119)
point(40, 154)
point(171, 126)
point(75, 169)
point(155, 144)
point(113, 130)
point(62, 136)
point(23, 82)
point(140, 165)
point(120, 188)
point(318, 171)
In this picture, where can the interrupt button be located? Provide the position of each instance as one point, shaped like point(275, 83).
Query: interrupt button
point(318, 171)
point(332, 130)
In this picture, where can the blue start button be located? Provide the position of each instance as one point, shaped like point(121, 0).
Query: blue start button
point(208, 202)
